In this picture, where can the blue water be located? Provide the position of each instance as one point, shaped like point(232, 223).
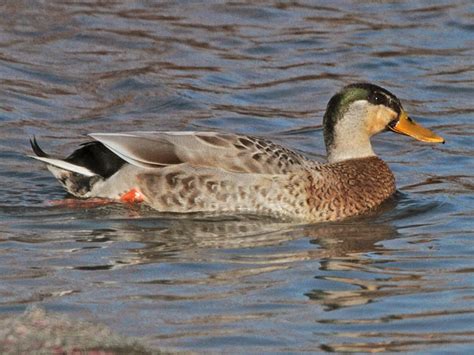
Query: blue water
point(398, 280)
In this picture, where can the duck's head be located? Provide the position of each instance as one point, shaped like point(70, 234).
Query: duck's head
point(358, 112)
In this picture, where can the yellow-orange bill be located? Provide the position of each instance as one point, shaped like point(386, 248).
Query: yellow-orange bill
point(406, 125)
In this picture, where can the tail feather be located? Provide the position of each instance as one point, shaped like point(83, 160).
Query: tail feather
point(76, 179)
point(64, 165)
point(61, 164)
point(41, 155)
point(36, 148)
point(83, 169)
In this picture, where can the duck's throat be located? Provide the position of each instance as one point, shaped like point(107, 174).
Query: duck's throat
point(349, 147)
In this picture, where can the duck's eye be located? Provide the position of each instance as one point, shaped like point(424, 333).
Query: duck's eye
point(378, 99)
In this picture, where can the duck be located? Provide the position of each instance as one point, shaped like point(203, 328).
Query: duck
point(226, 173)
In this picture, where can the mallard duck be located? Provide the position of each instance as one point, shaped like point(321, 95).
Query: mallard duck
point(228, 173)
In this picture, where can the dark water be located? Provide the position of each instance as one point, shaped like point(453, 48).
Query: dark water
point(400, 280)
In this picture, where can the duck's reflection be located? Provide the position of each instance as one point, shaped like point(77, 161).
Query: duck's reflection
point(254, 246)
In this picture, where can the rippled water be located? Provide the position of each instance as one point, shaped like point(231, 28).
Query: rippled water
point(399, 280)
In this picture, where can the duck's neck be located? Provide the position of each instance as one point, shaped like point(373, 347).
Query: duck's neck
point(349, 138)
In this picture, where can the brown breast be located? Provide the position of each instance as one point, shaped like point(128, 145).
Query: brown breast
point(349, 188)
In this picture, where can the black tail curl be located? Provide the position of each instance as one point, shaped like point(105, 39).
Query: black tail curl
point(37, 150)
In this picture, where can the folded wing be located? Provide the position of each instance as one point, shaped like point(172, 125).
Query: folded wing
point(231, 152)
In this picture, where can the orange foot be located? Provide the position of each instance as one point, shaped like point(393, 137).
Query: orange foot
point(132, 196)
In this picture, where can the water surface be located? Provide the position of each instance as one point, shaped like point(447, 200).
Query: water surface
point(398, 280)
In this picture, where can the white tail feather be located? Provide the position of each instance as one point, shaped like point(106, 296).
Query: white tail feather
point(65, 165)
